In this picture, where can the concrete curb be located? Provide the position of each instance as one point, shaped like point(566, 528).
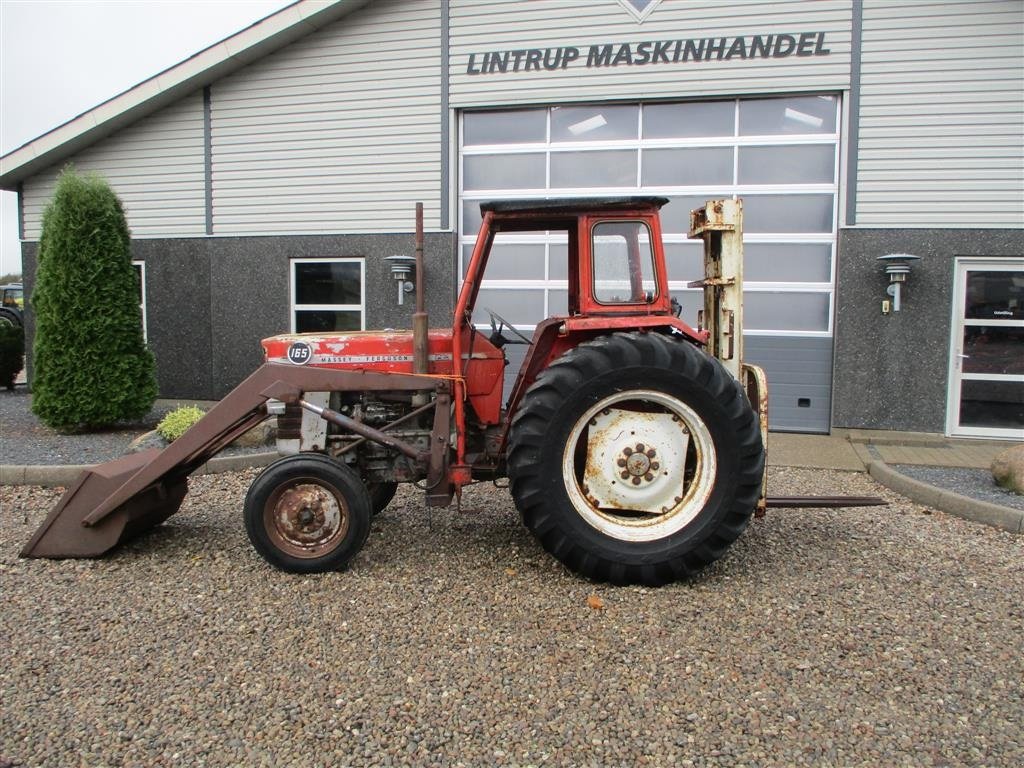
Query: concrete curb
point(946, 501)
point(64, 474)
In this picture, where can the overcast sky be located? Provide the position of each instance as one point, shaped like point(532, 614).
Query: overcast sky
point(59, 58)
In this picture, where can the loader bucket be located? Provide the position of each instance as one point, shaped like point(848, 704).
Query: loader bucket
point(121, 499)
point(63, 533)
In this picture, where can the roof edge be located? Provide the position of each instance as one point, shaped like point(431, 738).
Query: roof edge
point(201, 69)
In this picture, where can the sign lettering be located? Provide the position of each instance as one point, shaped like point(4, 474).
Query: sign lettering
point(603, 55)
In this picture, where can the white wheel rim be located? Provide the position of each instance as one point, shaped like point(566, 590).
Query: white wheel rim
point(639, 465)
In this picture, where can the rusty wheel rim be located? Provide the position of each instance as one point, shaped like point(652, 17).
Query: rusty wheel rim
point(306, 518)
point(639, 465)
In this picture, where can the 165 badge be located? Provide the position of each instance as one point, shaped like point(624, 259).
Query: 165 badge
point(300, 353)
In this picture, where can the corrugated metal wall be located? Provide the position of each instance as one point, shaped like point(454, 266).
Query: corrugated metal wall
point(155, 166)
point(499, 25)
point(345, 125)
point(941, 114)
point(339, 132)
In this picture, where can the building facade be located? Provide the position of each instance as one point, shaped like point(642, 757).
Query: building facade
point(267, 178)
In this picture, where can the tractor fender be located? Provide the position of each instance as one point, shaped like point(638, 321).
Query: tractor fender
point(557, 335)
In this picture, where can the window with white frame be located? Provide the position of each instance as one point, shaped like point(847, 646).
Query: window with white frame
point(623, 262)
point(327, 295)
point(779, 154)
point(140, 285)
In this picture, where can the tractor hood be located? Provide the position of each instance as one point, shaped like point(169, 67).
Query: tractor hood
point(382, 351)
point(391, 352)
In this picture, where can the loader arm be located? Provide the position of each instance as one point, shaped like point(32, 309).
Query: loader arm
point(120, 499)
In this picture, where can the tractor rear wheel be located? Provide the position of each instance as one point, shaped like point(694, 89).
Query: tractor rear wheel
point(636, 458)
point(307, 514)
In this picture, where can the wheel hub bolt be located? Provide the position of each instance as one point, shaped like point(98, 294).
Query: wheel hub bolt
point(306, 516)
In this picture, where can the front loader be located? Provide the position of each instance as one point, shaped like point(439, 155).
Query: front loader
point(634, 443)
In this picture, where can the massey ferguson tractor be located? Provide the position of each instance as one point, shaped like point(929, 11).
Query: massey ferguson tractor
point(633, 442)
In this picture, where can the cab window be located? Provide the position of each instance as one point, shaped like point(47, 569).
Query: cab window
point(623, 263)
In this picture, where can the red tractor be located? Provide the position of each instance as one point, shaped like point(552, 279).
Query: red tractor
point(632, 448)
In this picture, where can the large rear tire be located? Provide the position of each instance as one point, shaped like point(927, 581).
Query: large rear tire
point(636, 458)
point(307, 514)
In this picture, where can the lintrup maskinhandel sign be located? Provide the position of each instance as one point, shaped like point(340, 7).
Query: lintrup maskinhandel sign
point(648, 52)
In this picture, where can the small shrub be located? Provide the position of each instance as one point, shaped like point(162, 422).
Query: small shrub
point(177, 422)
point(12, 354)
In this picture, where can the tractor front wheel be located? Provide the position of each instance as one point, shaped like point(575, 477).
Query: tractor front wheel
point(307, 514)
point(636, 458)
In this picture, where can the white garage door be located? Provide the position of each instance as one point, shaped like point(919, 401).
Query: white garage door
point(780, 155)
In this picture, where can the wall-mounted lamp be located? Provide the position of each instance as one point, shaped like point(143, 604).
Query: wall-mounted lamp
point(402, 270)
point(897, 267)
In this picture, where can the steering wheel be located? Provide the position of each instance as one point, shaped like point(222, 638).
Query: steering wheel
point(498, 324)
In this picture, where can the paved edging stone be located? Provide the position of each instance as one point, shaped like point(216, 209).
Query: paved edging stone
point(974, 510)
point(50, 476)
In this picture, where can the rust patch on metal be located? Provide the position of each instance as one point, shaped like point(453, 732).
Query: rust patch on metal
point(755, 383)
point(306, 519)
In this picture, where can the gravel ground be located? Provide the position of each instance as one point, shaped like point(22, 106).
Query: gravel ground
point(975, 483)
point(25, 440)
point(875, 637)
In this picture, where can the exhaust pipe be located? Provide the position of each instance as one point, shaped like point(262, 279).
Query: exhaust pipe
point(420, 350)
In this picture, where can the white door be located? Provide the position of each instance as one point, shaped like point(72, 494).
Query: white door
point(986, 393)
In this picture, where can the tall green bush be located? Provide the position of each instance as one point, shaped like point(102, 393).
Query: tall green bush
point(91, 365)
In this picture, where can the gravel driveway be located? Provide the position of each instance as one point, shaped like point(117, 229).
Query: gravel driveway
point(860, 637)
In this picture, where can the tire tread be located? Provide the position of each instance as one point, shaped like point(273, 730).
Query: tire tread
point(556, 385)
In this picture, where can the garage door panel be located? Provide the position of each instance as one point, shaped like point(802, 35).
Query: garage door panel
point(799, 380)
point(778, 154)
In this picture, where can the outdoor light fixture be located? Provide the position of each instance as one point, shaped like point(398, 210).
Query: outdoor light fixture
point(402, 268)
point(897, 267)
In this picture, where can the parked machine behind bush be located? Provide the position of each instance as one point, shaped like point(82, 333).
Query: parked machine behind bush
point(634, 443)
point(12, 304)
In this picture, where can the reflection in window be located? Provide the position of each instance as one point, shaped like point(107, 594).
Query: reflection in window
point(140, 287)
point(597, 123)
point(623, 263)
point(992, 404)
point(995, 295)
point(795, 114)
point(994, 349)
point(328, 295)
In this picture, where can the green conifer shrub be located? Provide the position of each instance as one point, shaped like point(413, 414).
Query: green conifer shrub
point(91, 366)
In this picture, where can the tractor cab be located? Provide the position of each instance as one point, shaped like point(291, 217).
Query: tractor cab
point(616, 264)
point(617, 278)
